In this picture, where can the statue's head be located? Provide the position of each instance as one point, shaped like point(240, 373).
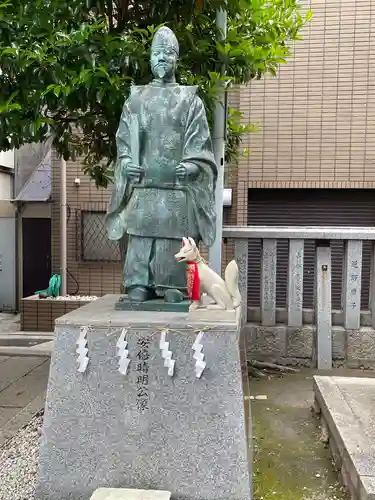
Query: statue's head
point(164, 54)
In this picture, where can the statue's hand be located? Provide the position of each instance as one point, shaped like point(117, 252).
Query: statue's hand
point(187, 171)
point(134, 172)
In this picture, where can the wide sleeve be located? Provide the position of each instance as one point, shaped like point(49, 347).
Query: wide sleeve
point(198, 151)
point(197, 140)
point(123, 135)
point(121, 189)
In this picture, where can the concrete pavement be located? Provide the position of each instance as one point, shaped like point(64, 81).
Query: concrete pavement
point(23, 380)
point(23, 383)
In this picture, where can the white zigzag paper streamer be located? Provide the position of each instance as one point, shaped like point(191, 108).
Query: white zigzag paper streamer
point(123, 353)
point(166, 353)
point(200, 364)
point(82, 349)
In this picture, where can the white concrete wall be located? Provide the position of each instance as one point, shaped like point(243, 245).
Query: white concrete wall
point(6, 183)
point(7, 159)
point(7, 265)
point(37, 210)
point(8, 302)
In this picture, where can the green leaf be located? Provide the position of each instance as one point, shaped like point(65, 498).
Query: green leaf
point(308, 16)
point(10, 51)
point(5, 108)
point(67, 67)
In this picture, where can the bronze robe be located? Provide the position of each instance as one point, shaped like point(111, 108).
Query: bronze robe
point(172, 130)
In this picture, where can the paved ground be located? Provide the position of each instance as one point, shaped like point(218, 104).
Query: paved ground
point(290, 461)
point(347, 407)
point(23, 382)
point(9, 322)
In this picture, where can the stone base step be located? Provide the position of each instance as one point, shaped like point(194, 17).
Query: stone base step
point(346, 406)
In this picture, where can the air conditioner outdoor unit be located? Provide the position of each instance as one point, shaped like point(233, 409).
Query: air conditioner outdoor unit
point(227, 197)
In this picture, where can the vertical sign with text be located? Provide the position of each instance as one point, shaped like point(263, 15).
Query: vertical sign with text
point(143, 357)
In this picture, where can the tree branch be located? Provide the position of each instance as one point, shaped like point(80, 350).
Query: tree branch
point(110, 14)
point(273, 366)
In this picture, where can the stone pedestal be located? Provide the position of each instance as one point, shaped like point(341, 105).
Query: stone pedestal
point(146, 429)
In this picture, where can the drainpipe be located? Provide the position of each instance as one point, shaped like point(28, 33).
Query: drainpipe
point(218, 141)
point(19, 253)
point(63, 228)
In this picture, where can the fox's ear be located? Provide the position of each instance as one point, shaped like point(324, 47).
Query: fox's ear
point(192, 243)
point(185, 242)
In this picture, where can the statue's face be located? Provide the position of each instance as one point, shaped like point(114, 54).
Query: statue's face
point(163, 62)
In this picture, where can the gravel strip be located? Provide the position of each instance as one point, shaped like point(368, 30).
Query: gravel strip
point(19, 462)
point(82, 298)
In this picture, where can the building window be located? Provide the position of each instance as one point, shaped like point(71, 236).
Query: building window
point(95, 245)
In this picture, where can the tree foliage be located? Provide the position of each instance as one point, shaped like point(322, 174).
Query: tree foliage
point(67, 66)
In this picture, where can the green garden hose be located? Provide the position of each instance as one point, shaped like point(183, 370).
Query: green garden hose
point(54, 288)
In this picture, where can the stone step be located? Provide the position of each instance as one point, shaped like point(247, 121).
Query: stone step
point(26, 334)
point(129, 494)
point(40, 350)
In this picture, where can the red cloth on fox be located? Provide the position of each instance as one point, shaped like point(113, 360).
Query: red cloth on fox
point(192, 279)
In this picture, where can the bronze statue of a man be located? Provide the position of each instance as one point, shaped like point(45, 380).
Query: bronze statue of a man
point(165, 178)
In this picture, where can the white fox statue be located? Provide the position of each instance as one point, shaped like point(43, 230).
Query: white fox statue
point(225, 293)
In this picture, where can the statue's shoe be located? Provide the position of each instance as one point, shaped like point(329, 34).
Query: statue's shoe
point(173, 295)
point(140, 294)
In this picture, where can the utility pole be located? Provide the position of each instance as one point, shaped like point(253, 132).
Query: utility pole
point(63, 229)
point(218, 140)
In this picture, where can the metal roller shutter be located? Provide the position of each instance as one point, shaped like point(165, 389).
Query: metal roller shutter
point(309, 207)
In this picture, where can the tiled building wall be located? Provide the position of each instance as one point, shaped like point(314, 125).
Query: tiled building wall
point(230, 181)
point(94, 278)
point(317, 117)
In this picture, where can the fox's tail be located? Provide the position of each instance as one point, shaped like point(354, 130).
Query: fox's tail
point(231, 280)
